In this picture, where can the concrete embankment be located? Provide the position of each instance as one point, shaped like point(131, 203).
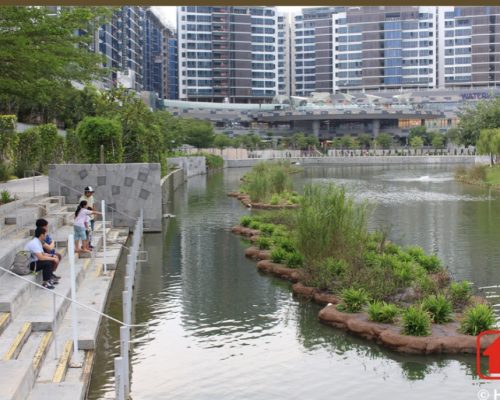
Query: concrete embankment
point(364, 160)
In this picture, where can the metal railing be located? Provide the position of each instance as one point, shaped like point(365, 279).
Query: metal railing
point(122, 378)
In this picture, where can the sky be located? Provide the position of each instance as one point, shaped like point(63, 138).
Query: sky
point(167, 13)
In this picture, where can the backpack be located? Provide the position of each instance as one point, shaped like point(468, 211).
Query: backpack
point(21, 264)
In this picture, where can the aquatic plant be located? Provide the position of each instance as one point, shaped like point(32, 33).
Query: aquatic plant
point(380, 311)
point(477, 319)
point(354, 300)
point(459, 293)
point(438, 307)
point(416, 321)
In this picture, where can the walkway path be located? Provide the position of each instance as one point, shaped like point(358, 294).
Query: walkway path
point(24, 188)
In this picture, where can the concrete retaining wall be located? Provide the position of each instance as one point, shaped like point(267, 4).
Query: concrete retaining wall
point(169, 184)
point(125, 187)
point(363, 160)
point(192, 166)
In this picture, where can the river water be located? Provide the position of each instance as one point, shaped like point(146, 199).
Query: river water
point(218, 329)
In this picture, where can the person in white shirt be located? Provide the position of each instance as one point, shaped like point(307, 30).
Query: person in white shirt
point(41, 260)
point(81, 215)
point(88, 196)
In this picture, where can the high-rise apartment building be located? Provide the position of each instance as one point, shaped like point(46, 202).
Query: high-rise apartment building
point(121, 42)
point(469, 46)
point(395, 47)
point(313, 40)
point(156, 38)
point(173, 73)
point(230, 53)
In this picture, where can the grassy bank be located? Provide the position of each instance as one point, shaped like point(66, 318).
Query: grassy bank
point(483, 175)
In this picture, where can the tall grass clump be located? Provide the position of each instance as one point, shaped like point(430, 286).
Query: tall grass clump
point(459, 293)
point(477, 319)
point(416, 322)
point(354, 300)
point(439, 308)
point(380, 311)
point(330, 224)
point(268, 182)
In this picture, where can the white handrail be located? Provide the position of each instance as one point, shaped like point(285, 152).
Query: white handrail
point(78, 303)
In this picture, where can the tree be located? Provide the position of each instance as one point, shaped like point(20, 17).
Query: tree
point(349, 142)
point(416, 142)
point(39, 50)
point(29, 151)
point(221, 141)
point(438, 140)
point(312, 141)
point(93, 132)
point(51, 144)
point(485, 115)
point(488, 143)
point(420, 131)
point(453, 135)
point(364, 140)
point(199, 134)
point(384, 140)
point(8, 137)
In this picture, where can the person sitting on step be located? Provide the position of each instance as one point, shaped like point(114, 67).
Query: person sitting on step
point(49, 245)
point(41, 260)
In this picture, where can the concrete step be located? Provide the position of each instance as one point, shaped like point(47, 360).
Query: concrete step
point(26, 353)
point(16, 379)
point(5, 320)
point(39, 308)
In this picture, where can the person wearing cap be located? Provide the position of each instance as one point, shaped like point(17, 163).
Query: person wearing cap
point(88, 196)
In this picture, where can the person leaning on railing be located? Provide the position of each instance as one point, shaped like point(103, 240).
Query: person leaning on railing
point(41, 260)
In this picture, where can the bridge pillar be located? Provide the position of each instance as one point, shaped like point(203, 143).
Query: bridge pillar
point(315, 125)
point(375, 127)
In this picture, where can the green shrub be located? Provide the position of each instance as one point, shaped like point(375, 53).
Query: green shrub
point(254, 225)
point(371, 259)
point(213, 161)
point(278, 255)
point(425, 285)
point(275, 200)
point(415, 252)
point(404, 256)
point(380, 311)
point(246, 221)
point(326, 272)
point(416, 322)
point(5, 172)
point(267, 229)
point(294, 260)
point(477, 319)
point(391, 248)
point(438, 307)
point(404, 272)
point(285, 243)
point(264, 243)
point(459, 293)
point(354, 299)
point(5, 196)
point(431, 263)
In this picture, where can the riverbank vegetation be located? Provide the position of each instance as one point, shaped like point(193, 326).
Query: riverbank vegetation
point(483, 175)
point(270, 183)
point(327, 238)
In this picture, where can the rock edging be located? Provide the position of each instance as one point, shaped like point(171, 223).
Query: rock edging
point(444, 338)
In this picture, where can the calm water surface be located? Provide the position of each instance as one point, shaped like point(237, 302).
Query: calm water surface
point(218, 329)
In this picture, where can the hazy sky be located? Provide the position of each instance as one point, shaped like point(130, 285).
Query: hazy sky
point(167, 13)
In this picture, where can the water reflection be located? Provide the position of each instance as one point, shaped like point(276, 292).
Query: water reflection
point(218, 329)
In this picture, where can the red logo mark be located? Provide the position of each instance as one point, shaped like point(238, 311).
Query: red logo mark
point(491, 349)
